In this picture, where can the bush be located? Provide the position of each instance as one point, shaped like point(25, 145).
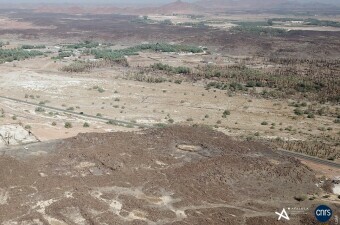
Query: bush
point(264, 123)
point(311, 115)
point(171, 120)
point(289, 128)
point(68, 125)
point(86, 124)
point(54, 123)
point(112, 122)
point(298, 112)
point(101, 90)
point(226, 113)
point(39, 109)
point(312, 198)
point(28, 127)
point(300, 198)
point(160, 125)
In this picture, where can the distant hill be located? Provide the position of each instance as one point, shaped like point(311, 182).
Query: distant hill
point(264, 4)
point(240, 3)
point(76, 9)
point(176, 7)
point(200, 6)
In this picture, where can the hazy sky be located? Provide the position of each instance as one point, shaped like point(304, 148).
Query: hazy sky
point(118, 2)
point(92, 1)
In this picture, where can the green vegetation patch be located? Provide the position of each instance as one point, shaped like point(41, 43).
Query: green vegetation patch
point(85, 44)
point(309, 21)
point(33, 46)
point(159, 47)
point(253, 23)
point(9, 55)
point(171, 69)
point(191, 24)
point(316, 22)
point(258, 30)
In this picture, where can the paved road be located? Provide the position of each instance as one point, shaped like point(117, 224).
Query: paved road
point(119, 122)
point(310, 158)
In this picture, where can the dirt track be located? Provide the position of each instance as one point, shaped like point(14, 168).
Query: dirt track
point(176, 175)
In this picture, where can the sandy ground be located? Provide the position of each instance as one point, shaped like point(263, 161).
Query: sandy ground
point(41, 82)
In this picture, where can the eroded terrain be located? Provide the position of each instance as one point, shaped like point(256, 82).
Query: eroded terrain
point(176, 175)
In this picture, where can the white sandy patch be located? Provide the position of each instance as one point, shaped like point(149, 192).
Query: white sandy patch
point(3, 197)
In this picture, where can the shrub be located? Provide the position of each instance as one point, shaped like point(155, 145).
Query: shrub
point(171, 120)
point(86, 124)
point(54, 123)
point(298, 112)
point(311, 115)
point(28, 127)
point(226, 113)
point(68, 125)
point(312, 198)
point(112, 122)
point(39, 109)
point(300, 198)
point(264, 123)
point(160, 125)
point(303, 104)
point(100, 90)
point(289, 128)
point(190, 119)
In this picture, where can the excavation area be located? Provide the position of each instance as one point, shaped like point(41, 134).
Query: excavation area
point(174, 175)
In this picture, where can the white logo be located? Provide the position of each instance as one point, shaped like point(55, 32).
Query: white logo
point(283, 214)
